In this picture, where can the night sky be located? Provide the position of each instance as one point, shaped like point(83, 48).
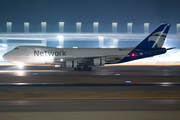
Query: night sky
point(88, 11)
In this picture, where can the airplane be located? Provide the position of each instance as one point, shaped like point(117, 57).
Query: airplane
point(82, 59)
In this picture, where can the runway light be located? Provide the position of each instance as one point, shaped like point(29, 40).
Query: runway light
point(117, 74)
point(128, 81)
point(20, 83)
point(35, 73)
point(165, 84)
point(21, 65)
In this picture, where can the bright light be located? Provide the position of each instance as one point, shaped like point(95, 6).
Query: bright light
point(4, 45)
point(117, 74)
point(115, 42)
point(166, 84)
point(23, 38)
point(101, 37)
point(9, 26)
point(60, 37)
point(132, 54)
point(20, 83)
point(95, 25)
point(61, 26)
point(61, 41)
point(128, 81)
point(20, 73)
point(164, 46)
point(146, 28)
point(178, 28)
point(78, 27)
point(129, 25)
point(26, 27)
point(43, 27)
point(172, 56)
point(112, 46)
point(57, 65)
point(58, 46)
point(21, 65)
point(101, 41)
point(114, 27)
point(61, 60)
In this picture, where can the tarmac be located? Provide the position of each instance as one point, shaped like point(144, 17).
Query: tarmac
point(102, 79)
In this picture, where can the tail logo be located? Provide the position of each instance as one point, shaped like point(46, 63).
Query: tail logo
point(158, 38)
point(156, 35)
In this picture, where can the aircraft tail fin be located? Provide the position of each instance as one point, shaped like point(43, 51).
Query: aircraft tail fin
point(156, 38)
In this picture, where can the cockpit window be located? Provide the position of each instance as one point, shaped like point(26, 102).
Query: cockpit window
point(17, 48)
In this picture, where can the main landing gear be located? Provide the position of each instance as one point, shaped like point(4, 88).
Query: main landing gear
point(83, 69)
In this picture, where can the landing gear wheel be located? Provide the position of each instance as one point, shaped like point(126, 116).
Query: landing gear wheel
point(85, 69)
point(90, 69)
point(79, 69)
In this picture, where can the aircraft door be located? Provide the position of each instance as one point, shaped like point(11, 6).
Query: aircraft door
point(28, 56)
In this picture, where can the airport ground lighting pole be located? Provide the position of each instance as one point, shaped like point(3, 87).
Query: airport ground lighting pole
point(101, 41)
point(61, 41)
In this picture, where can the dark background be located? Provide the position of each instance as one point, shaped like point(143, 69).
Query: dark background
point(88, 11)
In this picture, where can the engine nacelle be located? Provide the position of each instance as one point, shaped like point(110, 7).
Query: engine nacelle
point(71, 64)
point(98, 62)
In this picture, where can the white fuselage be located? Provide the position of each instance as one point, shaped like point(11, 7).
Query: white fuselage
point(48, 55)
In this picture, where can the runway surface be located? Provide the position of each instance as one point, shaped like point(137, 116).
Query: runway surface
point(89, 105)
point(110, 78)
point(107, 70)
point(89, 88)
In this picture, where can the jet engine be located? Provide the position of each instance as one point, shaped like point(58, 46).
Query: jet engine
point(98, 62)
point(71, 64)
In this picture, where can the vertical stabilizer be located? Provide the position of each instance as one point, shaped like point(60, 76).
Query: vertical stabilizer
point(156, 38)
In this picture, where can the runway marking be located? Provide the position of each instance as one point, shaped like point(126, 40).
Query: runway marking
point(164, 84)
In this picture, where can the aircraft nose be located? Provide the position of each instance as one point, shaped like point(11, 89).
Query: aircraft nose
point(6, 56)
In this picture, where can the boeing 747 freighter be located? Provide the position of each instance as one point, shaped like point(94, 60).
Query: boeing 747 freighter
point(82, 59)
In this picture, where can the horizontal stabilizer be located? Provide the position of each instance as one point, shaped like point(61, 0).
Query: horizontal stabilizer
point(170, 48)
